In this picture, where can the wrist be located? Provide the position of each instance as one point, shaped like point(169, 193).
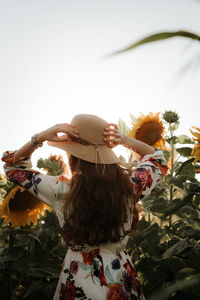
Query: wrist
point(129, 143)
point(36, 141)
point(41, 137)
point(125, 140)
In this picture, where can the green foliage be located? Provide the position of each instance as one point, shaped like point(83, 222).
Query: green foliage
point(184, 139)
point(53, 165)
point(166, 248)
point(5, 187)
point(184, 151)
point(31, 257)
point(159, 37)
point(31, 260)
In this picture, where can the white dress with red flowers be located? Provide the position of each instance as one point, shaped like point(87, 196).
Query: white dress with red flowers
point(95, 273)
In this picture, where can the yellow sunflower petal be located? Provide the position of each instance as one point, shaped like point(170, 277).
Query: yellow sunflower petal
point(196, 149)
point(196, 134)
point(196, 155)
point(197, 128)
point(20, 208)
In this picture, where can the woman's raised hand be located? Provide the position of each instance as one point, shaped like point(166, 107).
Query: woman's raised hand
point(52, 134)
point(112, 135)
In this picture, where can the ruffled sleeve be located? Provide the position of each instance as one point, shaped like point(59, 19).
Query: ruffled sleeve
point(148, 174)
point(49, 189)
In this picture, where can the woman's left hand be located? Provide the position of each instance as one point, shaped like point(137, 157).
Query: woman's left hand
point(52, 134)
point(112, 135)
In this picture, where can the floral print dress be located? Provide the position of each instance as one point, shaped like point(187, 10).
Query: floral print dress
point(103, 272)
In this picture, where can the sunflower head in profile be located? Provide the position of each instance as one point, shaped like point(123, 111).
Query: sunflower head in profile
point(21, 208)
point(196, 149)
point(149, 129)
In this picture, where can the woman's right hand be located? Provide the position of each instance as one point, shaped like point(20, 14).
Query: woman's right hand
point(112, 135)
point(51, 134)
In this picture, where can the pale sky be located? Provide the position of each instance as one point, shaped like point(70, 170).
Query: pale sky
point(53, 64)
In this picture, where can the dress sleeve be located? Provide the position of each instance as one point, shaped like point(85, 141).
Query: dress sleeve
point(49, 189)
point(148, 174)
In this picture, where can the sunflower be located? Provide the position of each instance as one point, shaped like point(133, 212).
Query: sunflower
point(21, 208)
point(149, 129)
point(2, 177)
point(196, 149)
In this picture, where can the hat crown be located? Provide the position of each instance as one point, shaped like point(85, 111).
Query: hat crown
point(90, 128)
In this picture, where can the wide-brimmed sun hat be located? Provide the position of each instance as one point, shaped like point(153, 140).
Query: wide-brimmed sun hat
point(90, 145)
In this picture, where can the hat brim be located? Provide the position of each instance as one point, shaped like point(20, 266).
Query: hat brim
point(99, 155)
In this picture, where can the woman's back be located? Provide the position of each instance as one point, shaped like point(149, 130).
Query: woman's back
point(99, 203)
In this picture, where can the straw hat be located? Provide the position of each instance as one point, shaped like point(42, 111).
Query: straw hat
point(90, 145)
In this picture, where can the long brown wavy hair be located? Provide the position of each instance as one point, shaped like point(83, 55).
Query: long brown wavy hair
point(100, 201)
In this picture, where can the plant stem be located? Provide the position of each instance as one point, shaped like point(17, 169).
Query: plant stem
point(172, 168)
point(9, 279)
point(149, 218)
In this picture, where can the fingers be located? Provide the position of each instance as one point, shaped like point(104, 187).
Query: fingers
point(112, 140)
point(68, 125)
point(67, 128)
point(112, 132)
point(112, 136)
point(112, 125)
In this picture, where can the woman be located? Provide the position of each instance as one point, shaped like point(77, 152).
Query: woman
point(96, 207)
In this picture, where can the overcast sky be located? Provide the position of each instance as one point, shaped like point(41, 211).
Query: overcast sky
point(53, 63)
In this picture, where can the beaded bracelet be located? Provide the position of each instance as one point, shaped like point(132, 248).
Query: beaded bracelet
point(34, 142)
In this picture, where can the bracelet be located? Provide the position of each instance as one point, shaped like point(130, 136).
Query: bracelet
point(34, 142)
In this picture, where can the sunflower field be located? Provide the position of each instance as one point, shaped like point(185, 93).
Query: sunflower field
point(165, 249)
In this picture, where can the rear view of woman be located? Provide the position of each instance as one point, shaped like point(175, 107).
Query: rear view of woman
point(96, 208)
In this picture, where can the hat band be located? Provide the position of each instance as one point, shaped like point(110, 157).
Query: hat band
point(81, 141)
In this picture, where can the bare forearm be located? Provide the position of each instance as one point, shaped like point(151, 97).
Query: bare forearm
point(50, 134)
point(28, 148)
point(137, 146)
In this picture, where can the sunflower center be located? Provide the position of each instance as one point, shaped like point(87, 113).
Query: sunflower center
point(149, 132)
point(23, 201)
